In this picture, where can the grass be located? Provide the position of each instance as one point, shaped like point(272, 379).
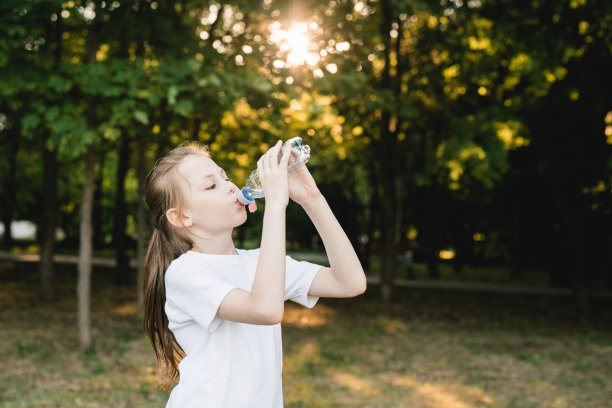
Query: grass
point(428, 349)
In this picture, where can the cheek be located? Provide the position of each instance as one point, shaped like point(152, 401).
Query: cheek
point(211, 211)
point(214, 213)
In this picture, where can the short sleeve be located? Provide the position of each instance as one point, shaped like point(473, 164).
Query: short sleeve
point(197, 292)
point(298, 280)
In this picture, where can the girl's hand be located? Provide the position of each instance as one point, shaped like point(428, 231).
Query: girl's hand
point(273, 176)
point(302, 187)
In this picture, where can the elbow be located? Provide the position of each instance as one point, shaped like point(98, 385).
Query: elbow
point(270, 315)
point(358, 287)
point(361, 286)
point(275, 316)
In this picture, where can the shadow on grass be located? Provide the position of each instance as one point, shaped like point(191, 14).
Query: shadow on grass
point(428, 348)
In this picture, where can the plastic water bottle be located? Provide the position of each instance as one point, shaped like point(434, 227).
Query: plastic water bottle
point(253, 189)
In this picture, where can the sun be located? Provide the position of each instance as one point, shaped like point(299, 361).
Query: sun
point(295, 42)
point(298, 43)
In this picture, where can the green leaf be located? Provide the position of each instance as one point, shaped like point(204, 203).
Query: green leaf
point(172, 93)
point(155, 99)
point(59, 84)
point(262, 85)
point(52, 114)
point(112, 133)
point(193, 64)
point(30, 121)
point(210, 80)
point(141, 117)
point(184, 107)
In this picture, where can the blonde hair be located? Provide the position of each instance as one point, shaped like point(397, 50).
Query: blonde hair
point(162, 192)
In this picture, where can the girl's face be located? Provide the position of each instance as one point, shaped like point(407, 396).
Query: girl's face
point(210, 197)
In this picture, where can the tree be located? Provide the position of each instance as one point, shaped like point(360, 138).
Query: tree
point(432, 123)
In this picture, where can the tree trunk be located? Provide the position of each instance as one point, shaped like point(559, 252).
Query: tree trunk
point(122, 275)
point(8, 196)
point(141, 218)
point(86, 239)
point(575, 219)
point(388, 210)
point(354, 217)
point(195, 131)
point(373, 210)
point(385, 150)
point(49, 187)
point(48, 222)
point(97, 219)
point(164, 132)
point(85, 253)
point(517, 251)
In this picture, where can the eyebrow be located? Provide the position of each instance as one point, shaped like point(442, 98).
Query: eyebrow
point(212, 174)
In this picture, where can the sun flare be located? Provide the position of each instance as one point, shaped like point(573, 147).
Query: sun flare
point(296, 43)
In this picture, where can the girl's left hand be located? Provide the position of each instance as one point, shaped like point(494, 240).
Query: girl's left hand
point(302, 187)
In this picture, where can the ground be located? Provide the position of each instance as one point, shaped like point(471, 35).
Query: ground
point(428, 349)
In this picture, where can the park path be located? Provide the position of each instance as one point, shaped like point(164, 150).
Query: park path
point(372, 280)
point(60, 259)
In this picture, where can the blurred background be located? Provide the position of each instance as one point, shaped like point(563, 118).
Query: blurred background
point(465, 147)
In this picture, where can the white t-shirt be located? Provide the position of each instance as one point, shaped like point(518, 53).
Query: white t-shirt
point(227, 364)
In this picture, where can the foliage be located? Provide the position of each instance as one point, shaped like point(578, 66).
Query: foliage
point(444, 108)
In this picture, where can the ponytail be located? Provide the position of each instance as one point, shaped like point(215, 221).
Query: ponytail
point(167, 350)
point(162, 192)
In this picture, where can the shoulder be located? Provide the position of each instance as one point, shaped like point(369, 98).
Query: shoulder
point(183, 267)
point(181, 263)
point(248, 252)
point(249, 256)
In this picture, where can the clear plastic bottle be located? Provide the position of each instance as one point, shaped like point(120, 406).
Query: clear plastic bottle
point(253, 189)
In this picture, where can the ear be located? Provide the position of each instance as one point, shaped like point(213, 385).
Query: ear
point(177, 219)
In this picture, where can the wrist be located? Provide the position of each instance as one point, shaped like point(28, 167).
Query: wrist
point(275, 206)
point(313, 201)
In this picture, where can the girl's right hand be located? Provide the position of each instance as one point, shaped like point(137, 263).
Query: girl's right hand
point(273, 176)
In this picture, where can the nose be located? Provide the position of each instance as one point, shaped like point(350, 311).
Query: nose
point(232, 188)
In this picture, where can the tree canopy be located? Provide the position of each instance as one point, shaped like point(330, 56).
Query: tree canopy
point(482, 126)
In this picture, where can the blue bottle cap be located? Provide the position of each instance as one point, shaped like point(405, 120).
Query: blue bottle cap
point(244, 197)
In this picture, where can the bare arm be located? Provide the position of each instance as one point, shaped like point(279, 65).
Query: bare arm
point(265, 303)
point(345, 276)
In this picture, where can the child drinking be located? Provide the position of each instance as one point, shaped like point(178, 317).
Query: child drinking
point(212, 311)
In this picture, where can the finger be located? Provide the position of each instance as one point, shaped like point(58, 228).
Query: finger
point(265, 159)
point(273, 154)
point(260, 164)
point(286, 155)
point(260, 169)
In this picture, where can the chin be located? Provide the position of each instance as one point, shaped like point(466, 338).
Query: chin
point(242, 219)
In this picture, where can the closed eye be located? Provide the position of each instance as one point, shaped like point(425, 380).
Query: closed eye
point(214, 185)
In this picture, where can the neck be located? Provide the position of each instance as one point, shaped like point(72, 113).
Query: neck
point(215, 245)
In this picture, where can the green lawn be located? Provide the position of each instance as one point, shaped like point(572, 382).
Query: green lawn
point(428, 349)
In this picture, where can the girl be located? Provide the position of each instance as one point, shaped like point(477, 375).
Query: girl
point(217, 309)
